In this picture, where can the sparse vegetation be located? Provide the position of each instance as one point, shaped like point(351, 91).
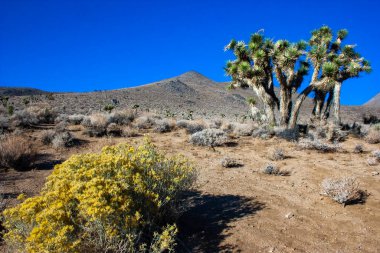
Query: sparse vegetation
point(209, 137)
point(228, 162)
point(373, 137)
point(271, 169)
point(343, 190)
point(319, 146)
point(16, 153)
point(277, 154)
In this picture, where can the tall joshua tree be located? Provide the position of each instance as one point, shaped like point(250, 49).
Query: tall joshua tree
point(290, 67)
point(253, 68)
point(339, 64)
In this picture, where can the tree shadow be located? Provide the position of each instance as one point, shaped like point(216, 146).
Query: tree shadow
point(207, 220)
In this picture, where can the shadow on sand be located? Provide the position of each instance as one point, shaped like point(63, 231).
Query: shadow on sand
point(206, 222)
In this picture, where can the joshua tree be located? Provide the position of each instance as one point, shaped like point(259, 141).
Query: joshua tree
point(341, 63)
point(255, 112)
point(290, 68)
point(253, 68)
point(332, 65)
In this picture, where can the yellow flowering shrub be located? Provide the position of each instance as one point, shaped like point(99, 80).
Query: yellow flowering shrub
point(121, 200)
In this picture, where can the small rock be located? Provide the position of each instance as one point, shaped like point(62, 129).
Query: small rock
point(375, 173)
point(289, 215)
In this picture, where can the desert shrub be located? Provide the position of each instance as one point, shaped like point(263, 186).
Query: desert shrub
point(319, 146)
point(374, 158)
point(145, 122)
point(373, 137)
point(16, 152)
point(242, 129)
point(34, 115)
point(215, 123)
point(96, 124)
point(277, 154)
point(191, 126)
point(61, 126)
point(129, 132)
point(47, 136)
point(60, 118)
point(114, 130)
point(263, 133)
point(228, 162)
point(376, 154)
point(287, 134)
point(370, 119)
point(75, 119)
point(335, 134)
point(343, 190)
point(4, 123)
point(124, 196)
point(372, 161)
point(123, 117)
point(163, 126)
point(209, 137)
point(271, 169)
point(62, 140)
point(358, 148)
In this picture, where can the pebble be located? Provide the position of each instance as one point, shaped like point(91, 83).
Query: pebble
point(289, 215)
point(375, 173)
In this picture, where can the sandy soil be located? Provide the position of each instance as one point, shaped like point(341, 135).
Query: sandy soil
point(243, 210)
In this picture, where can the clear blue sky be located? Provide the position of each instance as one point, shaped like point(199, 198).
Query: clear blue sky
point(83, 45)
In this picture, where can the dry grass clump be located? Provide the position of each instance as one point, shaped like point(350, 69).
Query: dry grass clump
point(277, 154)
point(75, 119)
point(191, 126)
point(343, 190)
point(63, 140)
point(145, 122)
point(114, 130)
point(373, 137)
point(319, 146)
point(34, 115)
point(271, 169)
point(129, 132)
point(58, 139)
point(17, 153)
point(209, 137)
point(215, 123)
point(163, 126)
point(374, 158)
point(358, 149)
point(96, 124)
point(242, 129)
point(122, 117)
point(287, 134)
point(228, 162)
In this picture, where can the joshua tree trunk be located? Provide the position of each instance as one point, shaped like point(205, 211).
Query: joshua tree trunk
point(285, 105)
point(269, 103)
point(319, 102)
point(326, 113)
point(337, 88)
point(297, 106)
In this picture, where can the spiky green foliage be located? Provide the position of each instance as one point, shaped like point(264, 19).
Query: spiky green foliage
point(251, 100)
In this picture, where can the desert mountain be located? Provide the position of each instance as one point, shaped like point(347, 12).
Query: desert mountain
point(188, 93)
point(19, 91)
point(374, 102)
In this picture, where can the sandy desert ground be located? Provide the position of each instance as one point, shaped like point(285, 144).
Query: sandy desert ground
point(241, 209)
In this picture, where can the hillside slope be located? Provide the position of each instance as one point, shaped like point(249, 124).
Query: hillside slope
point(374, 102)
point(20, 91)
point(188, 93)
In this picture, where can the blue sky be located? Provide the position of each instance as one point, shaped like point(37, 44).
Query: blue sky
point(85, 45)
